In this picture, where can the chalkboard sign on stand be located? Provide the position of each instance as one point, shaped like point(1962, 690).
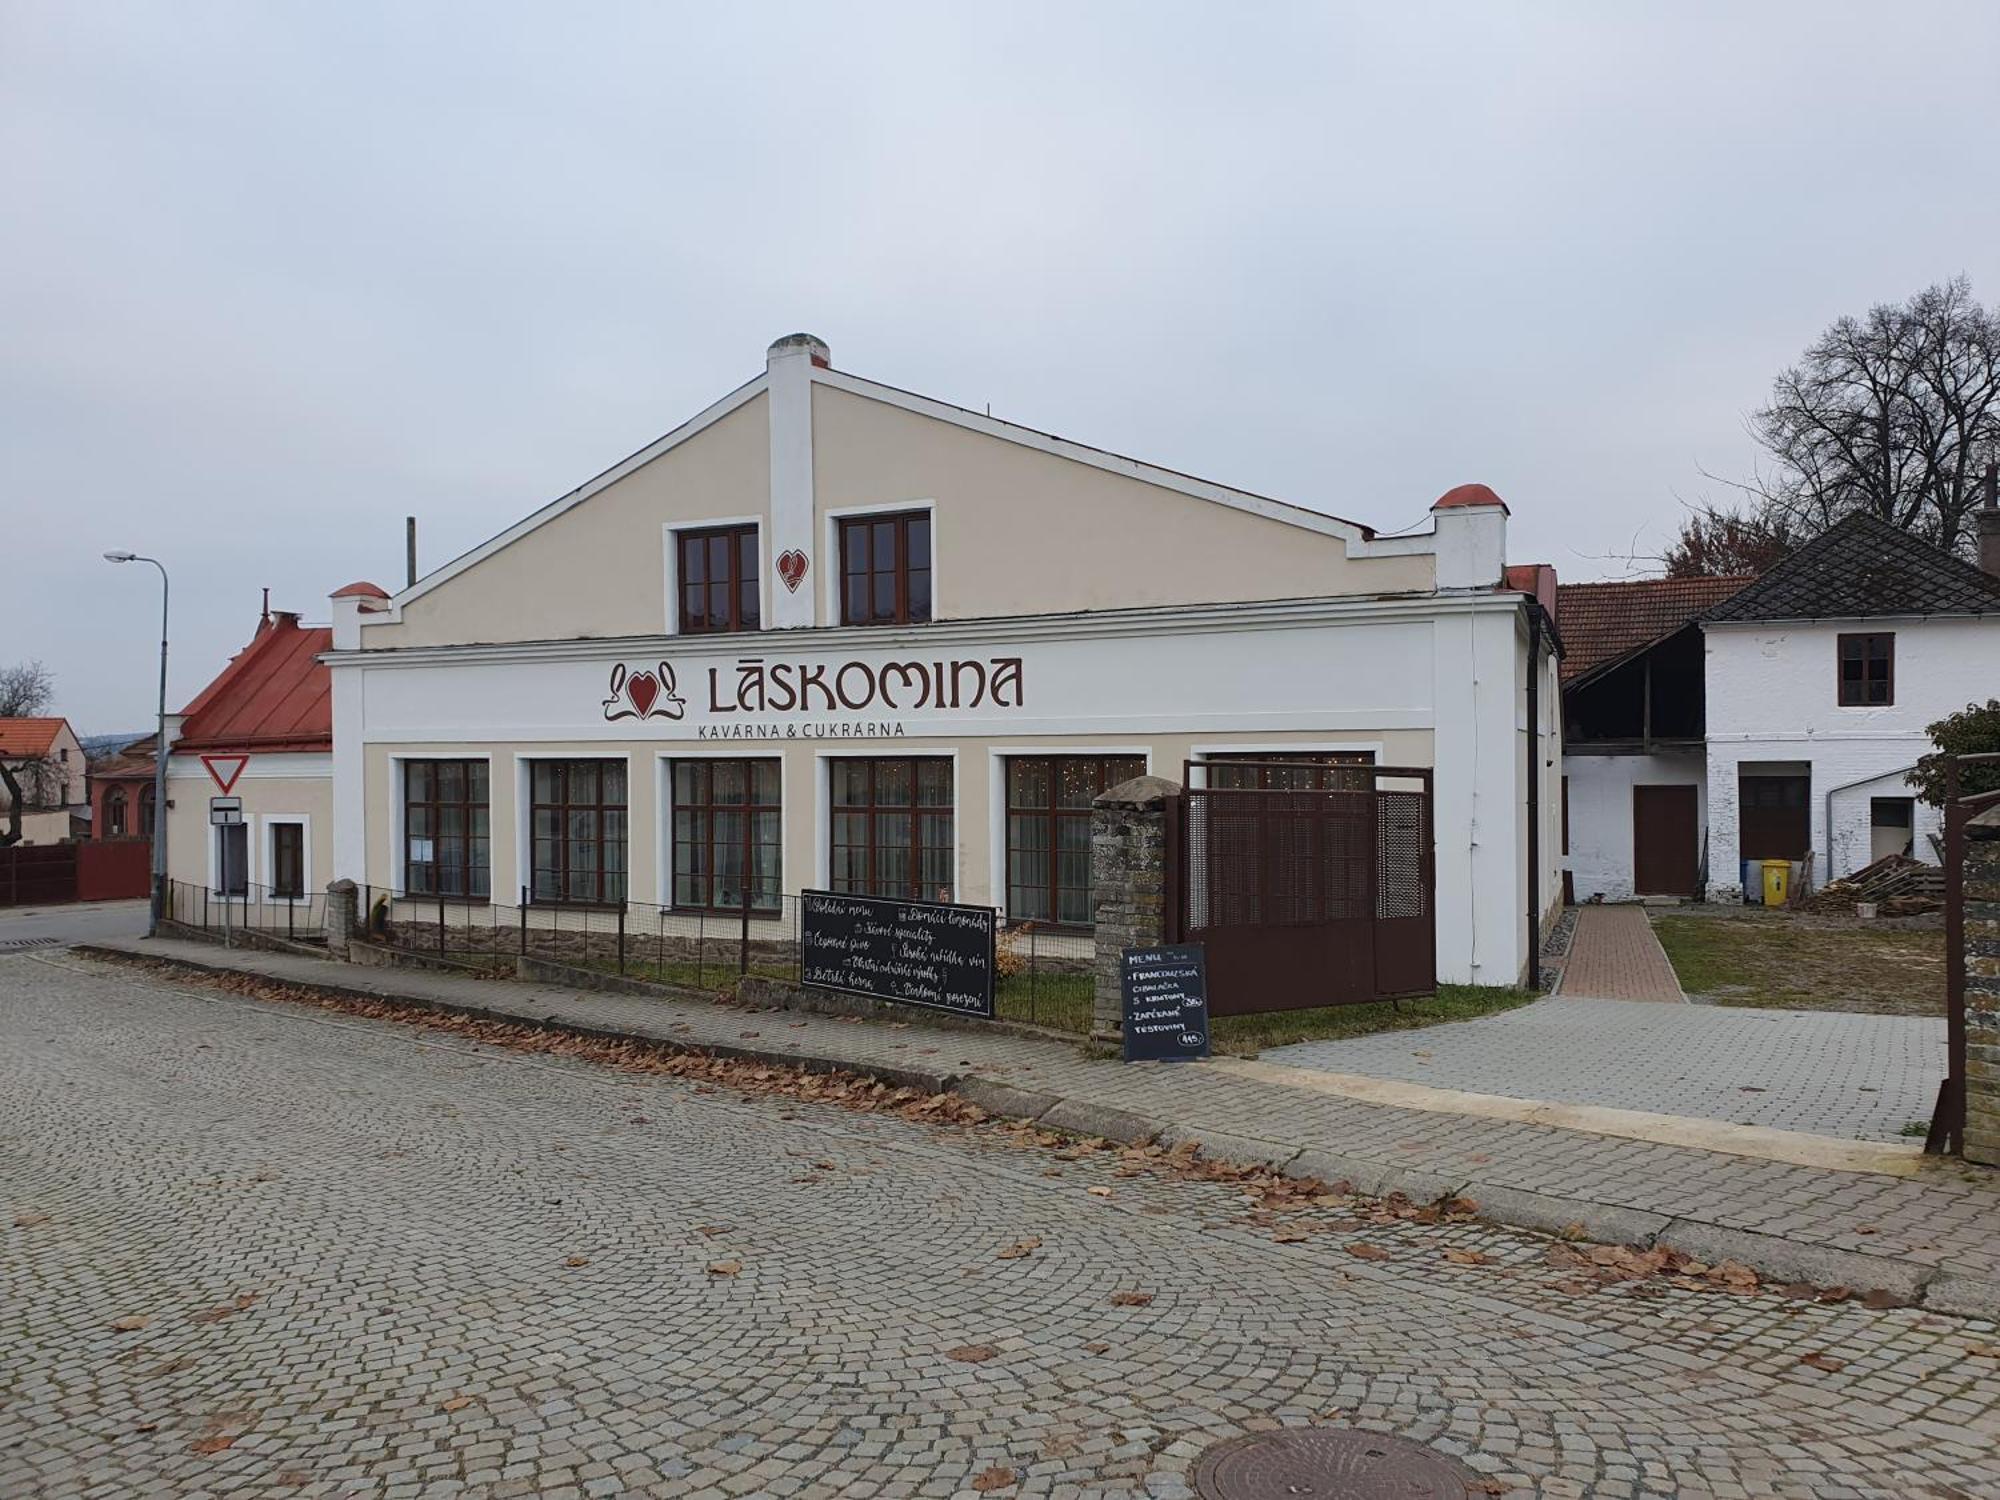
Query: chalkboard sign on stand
point(1165, 992)
point(932, 953)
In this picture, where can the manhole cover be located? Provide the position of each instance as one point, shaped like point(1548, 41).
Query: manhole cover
point(16, 945)
point(1331, 1463)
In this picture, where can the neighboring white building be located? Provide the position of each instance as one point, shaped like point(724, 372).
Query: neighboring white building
point(46, 759)
point(829, 633)
point(1709, 722)
point(1822, 677)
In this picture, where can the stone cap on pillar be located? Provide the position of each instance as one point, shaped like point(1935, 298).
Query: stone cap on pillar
point(1139, 792)
point(1985, 826)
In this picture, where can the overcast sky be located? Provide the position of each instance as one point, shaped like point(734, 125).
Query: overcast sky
point(273, 276)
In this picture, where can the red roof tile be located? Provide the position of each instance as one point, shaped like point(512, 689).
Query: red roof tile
point(28, 738)
point(272, 696)
point(1601, 622)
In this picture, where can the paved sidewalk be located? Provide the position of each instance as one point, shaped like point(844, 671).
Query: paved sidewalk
point(1614, 956)
point(1929, 1236)
point(1857, 1077)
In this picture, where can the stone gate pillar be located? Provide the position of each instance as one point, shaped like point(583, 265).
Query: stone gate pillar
point(1982, 989)
point(1128, 884)
point(339, 917)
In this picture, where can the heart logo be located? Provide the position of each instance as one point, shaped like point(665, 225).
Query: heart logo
point(792, 568)
point(643, 688)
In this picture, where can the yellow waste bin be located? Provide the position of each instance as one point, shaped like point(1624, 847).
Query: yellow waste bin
point(1777, 881)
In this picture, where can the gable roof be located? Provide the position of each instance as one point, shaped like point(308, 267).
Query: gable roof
point(1359, 537)
point(1603, 623)
point(274, 695)
point(29, 739)
point(1863, 566)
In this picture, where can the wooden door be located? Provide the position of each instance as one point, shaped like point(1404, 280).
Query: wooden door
point(1665, 841)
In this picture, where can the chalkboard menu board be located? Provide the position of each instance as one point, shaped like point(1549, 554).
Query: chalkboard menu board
point(919, 952)
point(1165, 993)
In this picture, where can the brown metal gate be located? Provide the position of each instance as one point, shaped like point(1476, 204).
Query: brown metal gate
point(1310, 890)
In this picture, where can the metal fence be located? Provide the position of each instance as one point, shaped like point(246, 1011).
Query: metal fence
point(251, 908)
point(1044, 976)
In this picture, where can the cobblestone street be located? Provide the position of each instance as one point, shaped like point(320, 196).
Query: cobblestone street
point(263, 1249)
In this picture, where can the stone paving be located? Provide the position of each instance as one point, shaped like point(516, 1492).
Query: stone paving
point(1614, 956)
point(259, 1249)
point(1825, 1072)
point(1933, 1232)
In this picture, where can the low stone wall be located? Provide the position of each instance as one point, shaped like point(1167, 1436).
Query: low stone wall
point(1982, 995)
point(242, 937)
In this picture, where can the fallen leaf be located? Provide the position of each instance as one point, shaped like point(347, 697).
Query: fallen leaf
point(971, 1354)
point(213, 1444)
point(995, 1478)
point(1880, 1300)
point(711, 1230)
point(1460, 1257)
point(1099, 1192)
point(455, 1403)
point(132, 1324)
point(581, 1260)
point(28, 1218)
point(1983, 1351)
point(1362, 1250)
point(147, 1427)
point(1131, 1299)
point(1098, 1348)
point(1291, 1235)
point(1823, 1362)
point(724, 1267)
point(1020, 1249)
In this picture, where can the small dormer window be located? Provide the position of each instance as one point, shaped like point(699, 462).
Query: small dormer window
point(718, 579)
point(1867, 670)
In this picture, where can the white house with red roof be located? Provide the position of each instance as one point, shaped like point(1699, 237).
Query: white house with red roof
point(45, 759)
point(262, 731)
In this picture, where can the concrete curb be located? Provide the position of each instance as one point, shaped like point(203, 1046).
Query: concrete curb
point(1771, 1256)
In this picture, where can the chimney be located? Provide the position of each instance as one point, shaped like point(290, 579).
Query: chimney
point(1471, 526)
point(1987, 518)
point(791, 365)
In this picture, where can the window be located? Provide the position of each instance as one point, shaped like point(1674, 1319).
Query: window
point(114, 813)
point(885, 569)
point(1048, 832)
point(288, 860)
point(1867, 670)
point(578, 811)
point(446, 843)
point(146, 812)
point(1289, 771)
point(727, 821)
point(232, 859)
point(718, 572)
point(892, 833)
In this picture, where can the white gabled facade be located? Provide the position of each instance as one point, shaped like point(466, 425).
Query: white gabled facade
point(1773, 709)
point(1082, 605)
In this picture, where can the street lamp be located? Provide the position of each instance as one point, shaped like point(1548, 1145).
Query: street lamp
point(159, 751)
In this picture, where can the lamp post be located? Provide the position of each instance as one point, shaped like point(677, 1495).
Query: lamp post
point(159, 751)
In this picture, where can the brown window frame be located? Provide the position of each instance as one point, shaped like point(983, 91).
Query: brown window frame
point(745, 572)
point(874, 811)
point(1053, 816)
point(475, 849)
point(1856, 646)
point(288, 846)
point(114, 813)
point(767, 884)
point(609, 880)
point(903, 611)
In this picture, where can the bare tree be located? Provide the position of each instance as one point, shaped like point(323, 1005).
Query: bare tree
point(1718, 543)
point(1893, 413)
point(26, 690)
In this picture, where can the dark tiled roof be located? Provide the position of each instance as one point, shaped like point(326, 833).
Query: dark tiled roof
point(273, 696)
point(1602, 622)
point(1863, 566)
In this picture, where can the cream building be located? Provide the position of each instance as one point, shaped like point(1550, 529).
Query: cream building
point(831, 634)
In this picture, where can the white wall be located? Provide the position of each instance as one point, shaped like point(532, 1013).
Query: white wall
point(1772, 696)
point(1600, 814)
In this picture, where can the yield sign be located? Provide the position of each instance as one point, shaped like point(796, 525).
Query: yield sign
point(224, 769)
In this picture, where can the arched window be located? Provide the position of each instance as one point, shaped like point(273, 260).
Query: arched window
point(146, 812)
point(114, 813)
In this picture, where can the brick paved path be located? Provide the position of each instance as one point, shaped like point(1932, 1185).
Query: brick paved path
point(1857, 1228)
point(1614, 956)
point(1852, 1076)
point(264, 1250)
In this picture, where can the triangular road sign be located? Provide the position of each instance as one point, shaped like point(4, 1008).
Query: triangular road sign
point(224, 769)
